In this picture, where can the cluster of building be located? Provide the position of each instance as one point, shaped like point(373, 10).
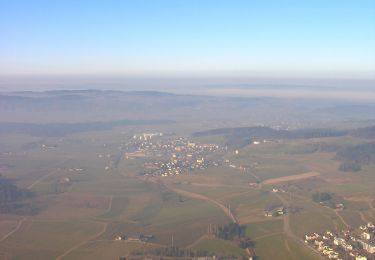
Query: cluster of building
point(276, 189)
point(358, 244)
point(172, 156)
point(141, 257)
point(279, 211)
point(139, 237)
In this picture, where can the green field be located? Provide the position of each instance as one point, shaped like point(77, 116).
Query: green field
point(257, 230)
point(98, 204)
point(278, 247)
point(118, 206)
point(222, 247)
point(47, 240)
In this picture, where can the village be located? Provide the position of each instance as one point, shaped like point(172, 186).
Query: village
point(358, 244)
point(172, 156)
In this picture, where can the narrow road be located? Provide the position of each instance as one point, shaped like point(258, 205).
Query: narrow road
point(48, 175)
point(288, 231)
point(196, 242)
point(363, 217)
point(342, 219)
point(333, 210)
point(370, 203)
point(268, 235)
point(202, 197)
point(41, 179)
point(110, 204)
point(255, 176)
point(104, 229)
point(19, 224)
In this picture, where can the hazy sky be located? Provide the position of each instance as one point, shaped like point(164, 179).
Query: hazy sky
point(172, 37)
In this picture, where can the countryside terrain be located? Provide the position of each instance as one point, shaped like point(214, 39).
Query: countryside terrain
point(73, 180)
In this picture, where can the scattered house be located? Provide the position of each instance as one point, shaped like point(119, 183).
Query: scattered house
point(133, 238)
point(311, 237)
point(119, 238)
point(140, 237)
point(191, 145)
point(369, 246)
point(363, 227)
point(351, 244)
point(280, 211)
point(348, 247)
point(339, 206)
point(268, 214)
point(365, 235)
point(200, 161)
point(338, 241)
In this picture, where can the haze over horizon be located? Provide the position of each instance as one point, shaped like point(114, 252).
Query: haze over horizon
point(240, 39)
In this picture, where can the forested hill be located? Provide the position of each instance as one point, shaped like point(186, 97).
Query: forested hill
point(62, 129)
point(361, 154)
point(241, 136)
point(366, 132)
point(10, 192)
point(255, 132)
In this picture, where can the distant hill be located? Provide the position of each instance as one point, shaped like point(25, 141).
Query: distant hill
point(62, 129)
point(76, 106)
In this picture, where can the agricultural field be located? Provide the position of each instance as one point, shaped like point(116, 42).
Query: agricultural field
point(86, 194)
point(282, 248)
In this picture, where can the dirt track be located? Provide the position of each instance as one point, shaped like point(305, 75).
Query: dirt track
point(291, 178)
point(19, 224)
point(288, 231)
point(201, 197)
point(102, 231)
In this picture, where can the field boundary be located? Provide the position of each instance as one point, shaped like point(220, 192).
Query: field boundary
point(297, 177)
point(19, 224)
point(102, 231)
point(193, 195)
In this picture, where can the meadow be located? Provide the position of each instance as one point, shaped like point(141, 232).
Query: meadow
point(89, 194)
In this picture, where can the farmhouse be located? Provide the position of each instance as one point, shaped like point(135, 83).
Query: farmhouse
point(369, 246)
point(366, 235)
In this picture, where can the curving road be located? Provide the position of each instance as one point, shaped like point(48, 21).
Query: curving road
point(288, 231)
point(202, 197)
point(19, 224)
